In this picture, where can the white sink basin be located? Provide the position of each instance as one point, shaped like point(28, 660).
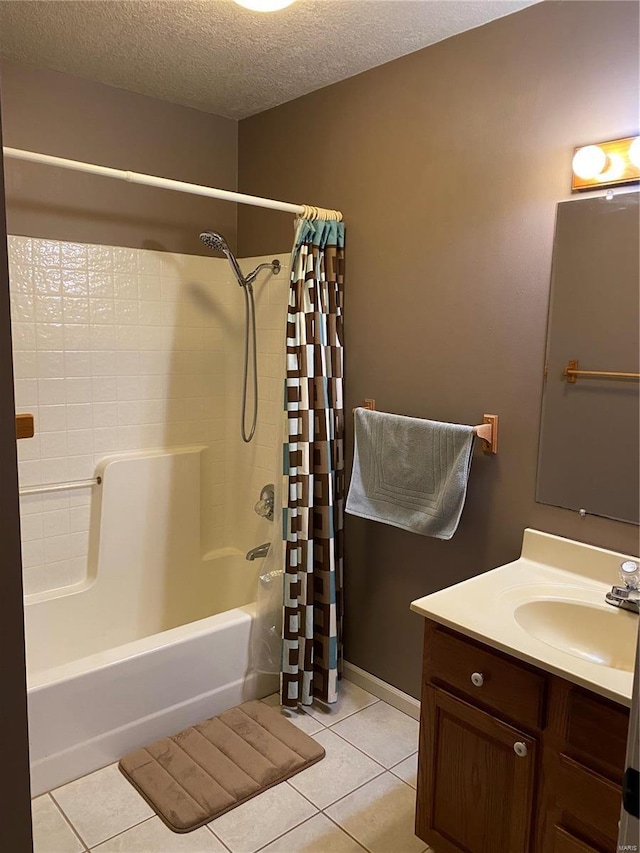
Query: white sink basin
point(595, 634)
point(548, 608)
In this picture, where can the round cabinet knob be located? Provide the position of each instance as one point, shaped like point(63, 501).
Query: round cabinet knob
point(477, 679)
point(520, 749)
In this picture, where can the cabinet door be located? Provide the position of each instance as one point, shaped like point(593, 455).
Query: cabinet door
point(476, 779)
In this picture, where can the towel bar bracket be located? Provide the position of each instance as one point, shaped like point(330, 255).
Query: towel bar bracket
point(487, 432)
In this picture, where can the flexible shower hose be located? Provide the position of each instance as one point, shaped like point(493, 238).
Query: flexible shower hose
point(249, 325)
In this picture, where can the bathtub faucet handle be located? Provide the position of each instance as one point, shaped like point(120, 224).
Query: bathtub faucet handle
point(264, 507)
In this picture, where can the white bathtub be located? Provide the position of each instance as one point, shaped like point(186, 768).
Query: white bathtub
point(156, 638)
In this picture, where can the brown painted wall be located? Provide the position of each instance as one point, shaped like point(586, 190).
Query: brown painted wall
point(448, 164)
point(15, 828)
point(54, 113)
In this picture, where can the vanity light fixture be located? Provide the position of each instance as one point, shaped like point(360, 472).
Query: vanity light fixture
point(607, 164)
point(264, 5)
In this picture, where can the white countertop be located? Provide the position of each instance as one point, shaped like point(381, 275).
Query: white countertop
point(490, 608)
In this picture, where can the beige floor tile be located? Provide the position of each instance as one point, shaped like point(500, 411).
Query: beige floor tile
point(51, 832)
point(308, 724)
point(382, 732)
point(262, 819)
point(101, 805)
point(152, 836)
point(407, 770)
point(380, 815)
point(298, 717)
point(351, 698)
point(343, 769)
point(318, 835)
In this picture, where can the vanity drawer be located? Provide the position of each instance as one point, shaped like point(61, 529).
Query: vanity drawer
point(486, 677)
point(564, 842)
point(596, 733)
point(589, 804)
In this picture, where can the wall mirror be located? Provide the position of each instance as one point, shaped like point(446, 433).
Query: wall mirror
point(588, 453)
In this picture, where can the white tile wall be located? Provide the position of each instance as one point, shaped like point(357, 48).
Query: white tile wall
point(118, 349)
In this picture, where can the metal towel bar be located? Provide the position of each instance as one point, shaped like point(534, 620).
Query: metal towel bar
point(572, 371)
point(60, 487)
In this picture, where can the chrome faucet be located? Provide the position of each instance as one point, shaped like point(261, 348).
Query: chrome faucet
point(259, 551)
point(628, 596)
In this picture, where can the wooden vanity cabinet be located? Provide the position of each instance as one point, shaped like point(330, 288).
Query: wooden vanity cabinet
point(512, 759)
point(474, 780)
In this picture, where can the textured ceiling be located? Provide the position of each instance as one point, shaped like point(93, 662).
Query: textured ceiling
point(221, 58)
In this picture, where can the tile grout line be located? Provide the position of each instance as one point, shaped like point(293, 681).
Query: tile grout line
point(361, 751)
point(403, 759)
point(291, 828)
point(282, 834)
point(370, 757)
point(104, 840)
point(352, 713)
point(319, 810)
point(323, 812)
point(353, 746)
point(67, 819)
point(346, 716)
point(383, 770)
point(330, 805)
point(217, 838)
point(426, 849)
point(364, 846)
point(122, 831)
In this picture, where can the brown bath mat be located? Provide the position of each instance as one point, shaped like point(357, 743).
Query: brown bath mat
point(205, 770)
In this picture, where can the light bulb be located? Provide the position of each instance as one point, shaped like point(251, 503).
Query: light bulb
point(614, 171)
point(589, 161)
point(264, 5)
point(634, 152)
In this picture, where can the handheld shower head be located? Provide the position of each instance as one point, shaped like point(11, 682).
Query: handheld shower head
point(214, 241)
point(217, 243)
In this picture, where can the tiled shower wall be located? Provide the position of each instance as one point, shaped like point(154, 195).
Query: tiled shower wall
point(118, 350)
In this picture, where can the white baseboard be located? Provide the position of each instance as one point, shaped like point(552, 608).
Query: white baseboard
point(387, 692)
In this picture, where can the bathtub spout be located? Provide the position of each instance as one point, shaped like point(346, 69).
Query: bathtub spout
point(259, 551)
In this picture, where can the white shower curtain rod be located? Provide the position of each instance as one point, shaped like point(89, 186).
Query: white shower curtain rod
point(303, 210)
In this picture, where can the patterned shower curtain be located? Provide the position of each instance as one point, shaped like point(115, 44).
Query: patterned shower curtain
point(314, 467)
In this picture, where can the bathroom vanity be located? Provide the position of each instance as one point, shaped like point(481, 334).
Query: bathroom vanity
point(527, 681)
